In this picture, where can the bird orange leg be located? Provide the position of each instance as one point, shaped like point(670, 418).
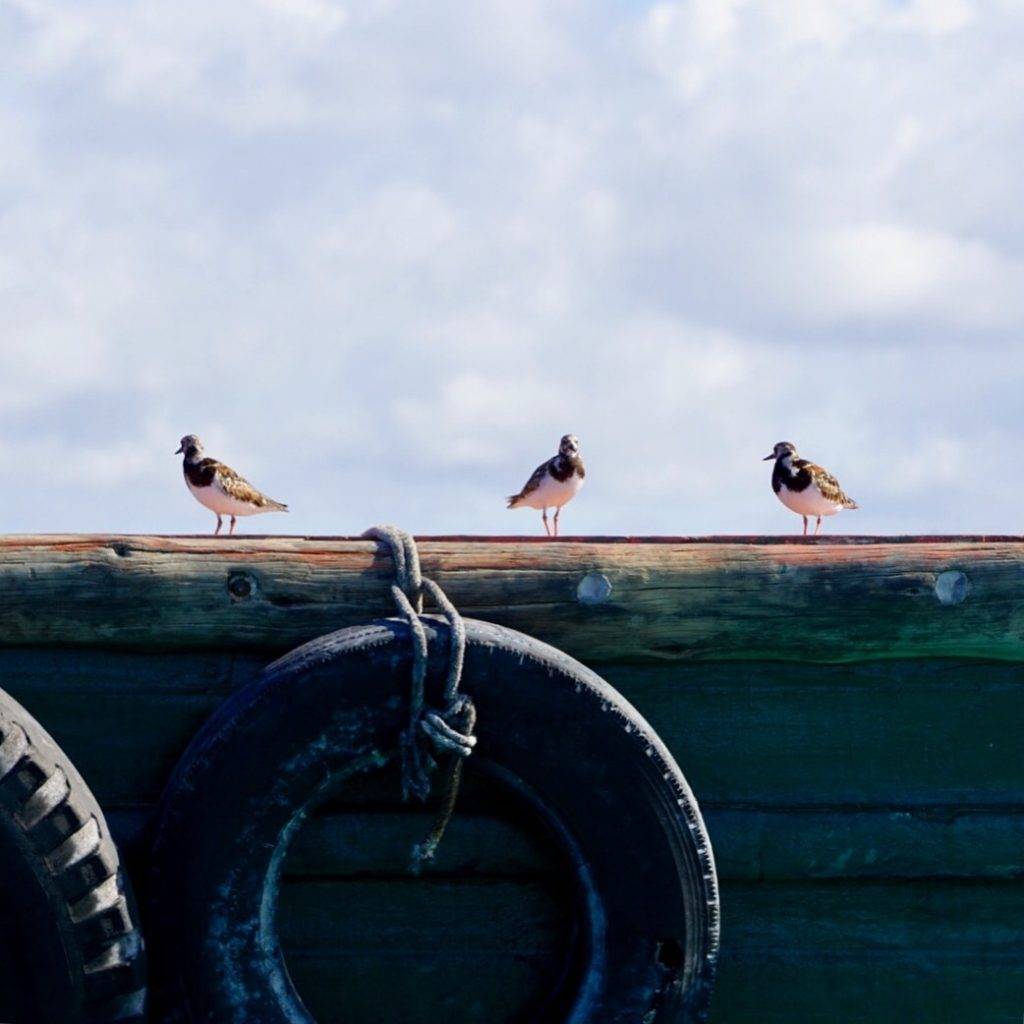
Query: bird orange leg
point(544, 516)
point(805, 526)
point(219, 525)
point(232, 529)
point(817, 528)
point(558, 512)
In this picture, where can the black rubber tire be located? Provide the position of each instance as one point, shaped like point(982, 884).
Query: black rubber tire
point(546, 723)
point(73, 952)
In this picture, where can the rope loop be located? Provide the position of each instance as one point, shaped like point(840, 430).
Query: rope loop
point(406, 558)
point(442, 731)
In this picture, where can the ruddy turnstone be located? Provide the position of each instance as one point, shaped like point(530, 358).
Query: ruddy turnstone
point(804, 488)
point(554, 483)
point(220, 488)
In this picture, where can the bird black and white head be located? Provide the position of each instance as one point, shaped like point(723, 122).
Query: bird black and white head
point(190, 446)
point(783, 450)
point(569, 445)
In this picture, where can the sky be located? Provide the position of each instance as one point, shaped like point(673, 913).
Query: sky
point(381, 255)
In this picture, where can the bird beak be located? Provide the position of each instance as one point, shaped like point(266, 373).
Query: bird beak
point(768, 458)
point(180, 450)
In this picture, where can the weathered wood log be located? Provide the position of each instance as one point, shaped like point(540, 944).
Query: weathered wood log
point(837, 600)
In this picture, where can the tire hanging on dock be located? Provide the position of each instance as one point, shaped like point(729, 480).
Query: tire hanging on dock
point(549, 727)
point(71, 951)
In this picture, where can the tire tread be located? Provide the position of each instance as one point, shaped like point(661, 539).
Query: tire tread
point(63, 825)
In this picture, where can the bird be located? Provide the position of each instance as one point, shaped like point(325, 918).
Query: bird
point(554, 483)
point(805, 488)
point(219, 488)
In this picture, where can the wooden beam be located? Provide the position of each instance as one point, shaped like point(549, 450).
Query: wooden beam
point(611, 599)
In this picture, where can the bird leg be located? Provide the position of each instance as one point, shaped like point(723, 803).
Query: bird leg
point(818, 527)
point(232, 530)
point(558, 512)
point(805, 526)
point(544, 516)
point(219, 525)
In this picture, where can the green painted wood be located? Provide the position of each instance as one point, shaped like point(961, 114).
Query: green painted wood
point(838, 843)
point(670, 600)
point(486, 918)
point(871, 953)
point(782, 749)
point(894, 733)
point(99, 672)
point(796, 952)
point(397, 950)
point(882, 769)
point(867, 991)
point(875, 734)
point(395, 989)
point(750, 845)
point(123, 717)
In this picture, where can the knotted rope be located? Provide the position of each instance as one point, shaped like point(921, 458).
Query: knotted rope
point(449, 730)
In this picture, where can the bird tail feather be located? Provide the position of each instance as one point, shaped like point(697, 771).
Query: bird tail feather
point(513, 500)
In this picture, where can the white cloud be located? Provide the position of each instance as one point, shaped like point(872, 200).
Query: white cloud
point(242, 63)
point(887, 269)
point(688, 43)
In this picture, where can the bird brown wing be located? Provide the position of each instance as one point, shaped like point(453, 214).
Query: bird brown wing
point(828, 485)
point(532, 484)
point(240, 489)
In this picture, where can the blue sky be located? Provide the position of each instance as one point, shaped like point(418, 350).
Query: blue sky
point(381, 255)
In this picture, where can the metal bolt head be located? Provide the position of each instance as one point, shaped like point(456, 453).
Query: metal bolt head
point(952, 587)
point(241, 585)
point(594, 588)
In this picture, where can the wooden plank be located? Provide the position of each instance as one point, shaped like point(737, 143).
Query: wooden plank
point(892, 733)
point(414, 951)
point(669, 600)
point(881, 769)
point(871, 953)
point(793, 748)
point(376, 844)
point(797, 952)
point(488, 918)
point(407, 990)
point(767, 992)
point(931, 923)
point(100, 673)
point(124, 745)
point(874, 734)
point(749, 844)
point(123, 717)
point(883, 843)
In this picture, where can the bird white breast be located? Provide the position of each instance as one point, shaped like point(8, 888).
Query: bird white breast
point(216, 500)
point(808, 502)
point(553, 493)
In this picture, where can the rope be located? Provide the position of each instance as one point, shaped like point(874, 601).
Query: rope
point(448, 730)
